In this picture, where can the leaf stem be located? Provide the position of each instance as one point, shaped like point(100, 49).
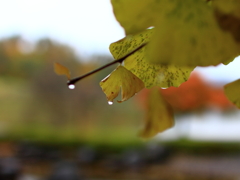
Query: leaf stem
point(76, 79)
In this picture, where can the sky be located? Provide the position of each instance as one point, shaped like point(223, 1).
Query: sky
point(89, 26)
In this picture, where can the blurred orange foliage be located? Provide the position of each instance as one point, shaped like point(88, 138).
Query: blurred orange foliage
point(194, 95)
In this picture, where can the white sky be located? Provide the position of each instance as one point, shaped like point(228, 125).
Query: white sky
point(87, 25)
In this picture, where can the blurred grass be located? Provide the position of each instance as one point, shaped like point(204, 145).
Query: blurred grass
point(43, 133)
point(114, 127)
point(105, 126)
point(203, 147)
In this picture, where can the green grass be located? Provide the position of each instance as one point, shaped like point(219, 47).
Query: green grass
point(110, 125)
point(72, 135)
point(203, 147)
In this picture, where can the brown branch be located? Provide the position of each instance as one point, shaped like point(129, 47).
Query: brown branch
point(76, 79)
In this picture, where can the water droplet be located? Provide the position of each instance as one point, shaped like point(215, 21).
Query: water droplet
point(110, 102)
point(71, 86)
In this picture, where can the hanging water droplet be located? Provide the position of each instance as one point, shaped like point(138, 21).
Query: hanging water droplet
point(110, 102)
point(71, 86)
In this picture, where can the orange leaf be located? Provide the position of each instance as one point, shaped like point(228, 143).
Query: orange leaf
point(61, 70)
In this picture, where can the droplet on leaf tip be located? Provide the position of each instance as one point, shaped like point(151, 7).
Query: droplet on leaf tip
point(151, 27)
point(71, 86)
point(110, 102)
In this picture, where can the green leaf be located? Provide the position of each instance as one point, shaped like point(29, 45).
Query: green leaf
point(187, 33)
point(121, 79)
point(190, 35)
point(156, 75)
point(159, 115)
point(137, 63)
point(227, 14)
point(232, 91)
point(135, 15)
point(227, 7)
point(131, 42)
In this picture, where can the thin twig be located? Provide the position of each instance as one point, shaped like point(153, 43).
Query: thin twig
point(76, 79)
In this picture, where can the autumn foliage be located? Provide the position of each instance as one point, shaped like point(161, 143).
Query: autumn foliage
point(193, 95)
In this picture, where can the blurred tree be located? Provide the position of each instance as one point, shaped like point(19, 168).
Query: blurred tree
point(194, 95)
point(50, 100)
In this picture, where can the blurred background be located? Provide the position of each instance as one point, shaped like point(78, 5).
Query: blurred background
point(48, 131)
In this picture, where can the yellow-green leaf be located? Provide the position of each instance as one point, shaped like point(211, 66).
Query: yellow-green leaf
point(135, 15)
point(156, 74)
point(159, 115)
point(232, 91)
point(189, 35)
point(227, 14)
point(131, 42)
point(121, 80)
point(228, 7)
point(61, 70)
point(137, 63)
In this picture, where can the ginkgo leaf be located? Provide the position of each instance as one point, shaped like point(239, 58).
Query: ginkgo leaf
point(156, 74)
point(130, 43)
point(227, 14)
point(135, 15)
point(61, 70)
point(121, 80)
point(159, 115)
point(232, 91)
point(190, 35)
point(150, 74)
point(187, 33)
point(228, 7)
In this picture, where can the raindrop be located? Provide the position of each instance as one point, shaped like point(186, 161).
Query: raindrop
point(71, 86)
point(110, 102)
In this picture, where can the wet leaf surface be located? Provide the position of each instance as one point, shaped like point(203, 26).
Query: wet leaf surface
point(121, 80)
